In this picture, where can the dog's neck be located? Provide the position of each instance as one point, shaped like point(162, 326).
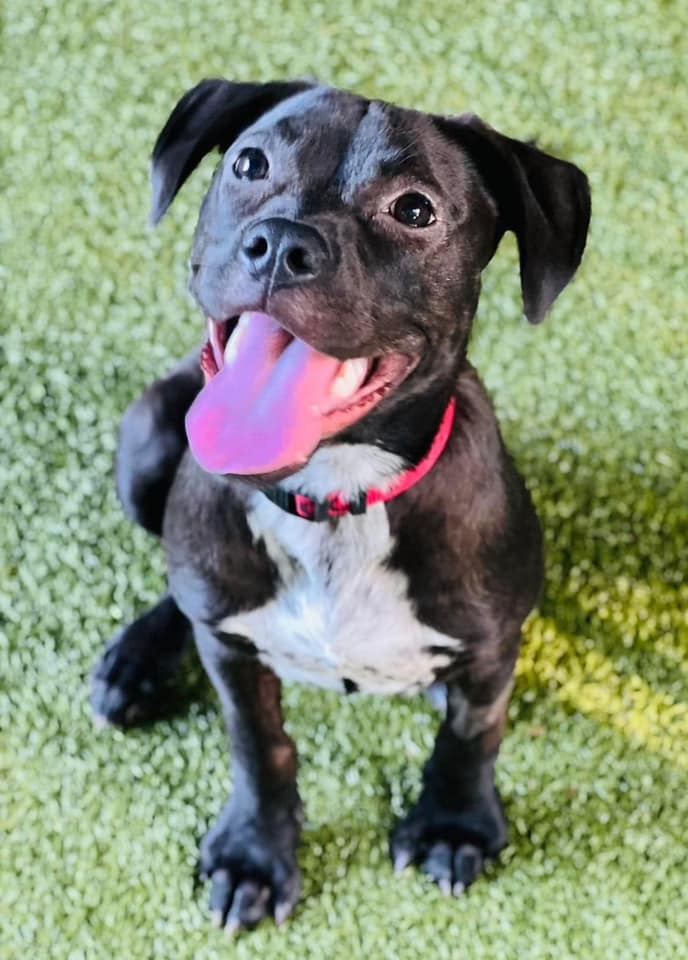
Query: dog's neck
point(371, 456)
point(408, 430)
point(348, 468)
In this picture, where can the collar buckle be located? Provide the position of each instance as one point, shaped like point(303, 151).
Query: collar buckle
point(304, 507)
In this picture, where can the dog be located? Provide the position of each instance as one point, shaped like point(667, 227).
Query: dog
point(327, 474)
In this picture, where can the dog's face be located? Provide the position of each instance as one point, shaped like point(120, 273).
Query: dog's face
point(338, 257)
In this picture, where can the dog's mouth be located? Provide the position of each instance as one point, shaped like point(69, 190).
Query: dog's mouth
point(270, 398)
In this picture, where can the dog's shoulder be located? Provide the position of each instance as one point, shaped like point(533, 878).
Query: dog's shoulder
point(468, 538)
point(215, 564)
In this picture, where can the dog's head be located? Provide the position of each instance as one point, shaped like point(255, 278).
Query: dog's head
point(338, 256)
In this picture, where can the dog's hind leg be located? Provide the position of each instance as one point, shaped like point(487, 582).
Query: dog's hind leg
point(152, 441)
point(130, 684)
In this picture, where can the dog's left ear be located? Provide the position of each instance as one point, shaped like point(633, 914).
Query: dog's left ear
point(211, 114)
point(544, 200)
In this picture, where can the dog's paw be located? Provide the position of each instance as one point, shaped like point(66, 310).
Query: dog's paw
point(250, 861)
point(451, 847)
point(123, 687)
point(130, 684)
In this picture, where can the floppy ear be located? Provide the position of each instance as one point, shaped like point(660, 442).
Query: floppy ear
point(545, 201)
point(210, 115)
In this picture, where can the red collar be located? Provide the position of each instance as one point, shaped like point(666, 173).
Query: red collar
point(336, 506)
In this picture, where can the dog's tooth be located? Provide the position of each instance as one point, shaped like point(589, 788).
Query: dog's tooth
point(232, 347)
point(213, 337)
point(349, 378)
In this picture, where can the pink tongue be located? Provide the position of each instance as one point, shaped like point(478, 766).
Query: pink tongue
point(257, 414)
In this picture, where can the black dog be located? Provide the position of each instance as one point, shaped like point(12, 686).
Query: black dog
point(348, 514)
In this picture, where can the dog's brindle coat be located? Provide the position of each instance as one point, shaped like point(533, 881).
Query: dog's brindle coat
point(430, 587)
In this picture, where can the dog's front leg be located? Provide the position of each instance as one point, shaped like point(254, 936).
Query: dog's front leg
point(458, 823)
point(250, 855)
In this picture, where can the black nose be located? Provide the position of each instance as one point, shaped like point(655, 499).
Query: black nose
point(288, 252)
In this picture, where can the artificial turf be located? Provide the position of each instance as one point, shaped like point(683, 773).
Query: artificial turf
point(100, 829)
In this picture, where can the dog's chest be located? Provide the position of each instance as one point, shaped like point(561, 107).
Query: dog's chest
point(341, 617)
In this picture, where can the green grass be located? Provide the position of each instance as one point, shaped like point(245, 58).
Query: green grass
point(100, 830)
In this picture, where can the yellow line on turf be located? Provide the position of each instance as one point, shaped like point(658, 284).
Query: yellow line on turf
point(587, 680)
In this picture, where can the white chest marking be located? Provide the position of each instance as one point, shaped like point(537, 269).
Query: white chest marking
point(340, 612)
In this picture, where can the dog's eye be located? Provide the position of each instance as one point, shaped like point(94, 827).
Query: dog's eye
point(413, 210)
point(251, 164)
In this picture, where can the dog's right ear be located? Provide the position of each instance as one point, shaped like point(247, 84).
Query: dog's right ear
point(212, 114)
